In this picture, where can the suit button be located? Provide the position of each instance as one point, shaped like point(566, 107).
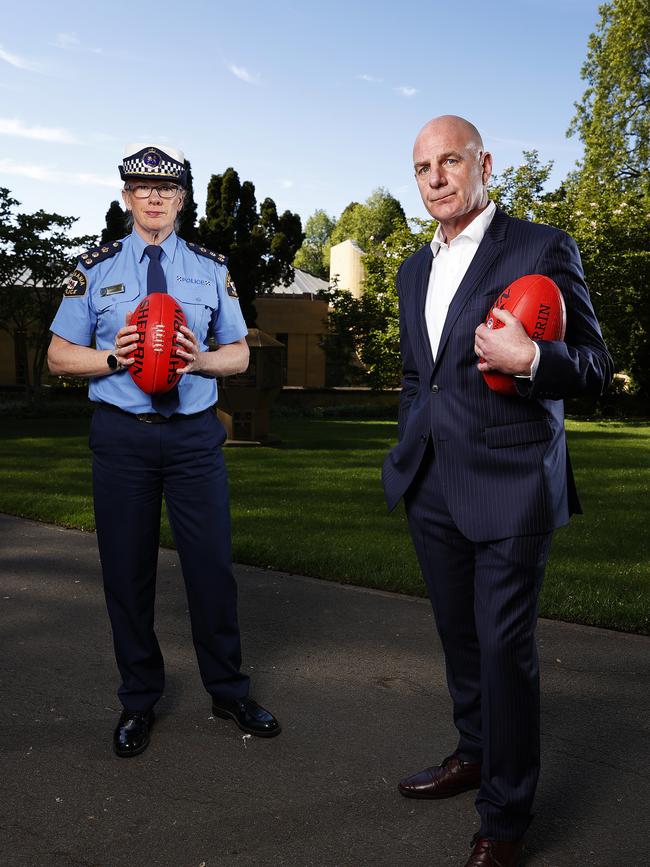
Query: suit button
point(435, 389)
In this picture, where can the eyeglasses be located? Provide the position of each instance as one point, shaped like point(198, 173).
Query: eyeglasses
point(143, 191)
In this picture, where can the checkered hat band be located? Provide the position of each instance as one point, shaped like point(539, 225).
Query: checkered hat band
point(138, 167)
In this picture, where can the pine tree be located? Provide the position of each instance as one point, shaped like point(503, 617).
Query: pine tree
point(116, 223)
point(260, 245)
point(187, 228)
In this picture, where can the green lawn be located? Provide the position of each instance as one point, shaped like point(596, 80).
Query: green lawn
point(315, 506)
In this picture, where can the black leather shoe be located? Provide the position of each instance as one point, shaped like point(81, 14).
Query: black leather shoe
point(450, 778)
point(494, 853)
point(248, 715)
point(132, 735)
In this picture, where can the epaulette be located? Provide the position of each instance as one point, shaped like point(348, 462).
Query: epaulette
point(98, 254)
point(203, 251)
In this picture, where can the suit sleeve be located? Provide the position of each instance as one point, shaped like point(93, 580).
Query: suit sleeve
point(410, 378)
point(580, 364)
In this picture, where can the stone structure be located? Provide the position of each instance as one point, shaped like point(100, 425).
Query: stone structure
point(346, 267)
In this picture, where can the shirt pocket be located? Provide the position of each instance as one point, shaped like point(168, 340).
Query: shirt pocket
point(112, 308)
point(199, 304)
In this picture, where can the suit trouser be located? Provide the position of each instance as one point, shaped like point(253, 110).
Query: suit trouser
point(484, 597)
point(135, 464)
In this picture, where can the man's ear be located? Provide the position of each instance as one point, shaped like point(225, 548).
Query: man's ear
point(487, 168)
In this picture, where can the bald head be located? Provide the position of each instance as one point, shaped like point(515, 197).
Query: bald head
point(452, 171)
point(454, 126)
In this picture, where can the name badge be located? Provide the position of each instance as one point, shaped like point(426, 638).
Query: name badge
point(112, 290)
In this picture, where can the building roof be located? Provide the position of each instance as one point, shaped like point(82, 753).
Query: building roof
point(25, 279)
point(303, 284)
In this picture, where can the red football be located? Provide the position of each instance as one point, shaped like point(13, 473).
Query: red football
point(538, 304)
point(158, 317)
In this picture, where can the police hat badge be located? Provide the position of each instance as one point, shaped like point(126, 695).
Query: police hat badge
point(153, 162)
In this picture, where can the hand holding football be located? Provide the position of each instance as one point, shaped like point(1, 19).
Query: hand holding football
point(158, 318)
point(530, 308)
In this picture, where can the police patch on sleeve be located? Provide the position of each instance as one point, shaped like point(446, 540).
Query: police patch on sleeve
point(75, 285)
point(230, 286)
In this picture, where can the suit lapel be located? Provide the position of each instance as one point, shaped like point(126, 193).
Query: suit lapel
point(488, 250)
point(420, 298)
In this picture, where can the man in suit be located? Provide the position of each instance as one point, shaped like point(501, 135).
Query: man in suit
point(485, 477)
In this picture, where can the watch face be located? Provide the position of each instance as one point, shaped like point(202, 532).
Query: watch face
point(112, 362)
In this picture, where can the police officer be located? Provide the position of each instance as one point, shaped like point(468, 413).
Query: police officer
point(149, 447)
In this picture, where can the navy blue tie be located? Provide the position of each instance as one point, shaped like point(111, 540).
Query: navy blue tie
point(155, 275)
point(167, 403)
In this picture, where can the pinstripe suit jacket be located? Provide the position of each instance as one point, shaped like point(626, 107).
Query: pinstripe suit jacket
point(503, 460)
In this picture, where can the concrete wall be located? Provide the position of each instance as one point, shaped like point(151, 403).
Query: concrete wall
point(303, 321)
point(7, 361)
point(8, 374)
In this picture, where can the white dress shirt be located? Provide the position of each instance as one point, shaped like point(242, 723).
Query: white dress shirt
point(450, 263)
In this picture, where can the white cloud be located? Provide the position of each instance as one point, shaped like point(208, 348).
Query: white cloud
point(17, 61)
point(370, 78)
point(243, 74)
point(71, 42)
point(50, 175)
point(406, 91)
point(286, 183)
point(66, 40)
point(14, 126)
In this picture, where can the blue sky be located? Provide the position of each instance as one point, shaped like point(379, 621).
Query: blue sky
point(316, 103)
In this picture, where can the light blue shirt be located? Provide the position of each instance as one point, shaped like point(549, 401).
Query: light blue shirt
point(117, 284)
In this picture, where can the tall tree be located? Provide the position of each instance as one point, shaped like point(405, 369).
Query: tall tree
point(187, 229)
point(519, 190)
point(613, 116)
point(35, 254)
point(369, 224)
point(607, 201)
point(313, 256)
point(116, 223)
point(260, 245)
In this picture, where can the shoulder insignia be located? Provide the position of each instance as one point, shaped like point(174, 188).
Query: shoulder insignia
point(230, 286)
point(75, 285)
point(99, 254)
point(210, 254)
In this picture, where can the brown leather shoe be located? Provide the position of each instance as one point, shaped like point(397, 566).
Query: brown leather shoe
point(495, 853)
point(450, 778)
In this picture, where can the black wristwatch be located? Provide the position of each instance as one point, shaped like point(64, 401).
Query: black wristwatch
point(112, 361)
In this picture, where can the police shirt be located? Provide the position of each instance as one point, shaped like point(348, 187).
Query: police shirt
point(99, 295)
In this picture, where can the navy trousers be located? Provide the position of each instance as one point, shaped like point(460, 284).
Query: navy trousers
point(484, 597)
point(135, 465)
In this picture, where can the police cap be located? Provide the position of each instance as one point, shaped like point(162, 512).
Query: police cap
point(153, 162)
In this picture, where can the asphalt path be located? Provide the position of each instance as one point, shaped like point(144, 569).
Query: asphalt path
point(357, 679)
